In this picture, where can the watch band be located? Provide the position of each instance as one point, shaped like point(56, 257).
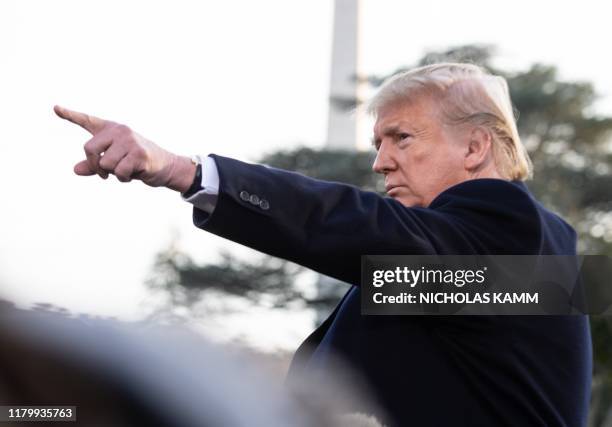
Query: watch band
point(196, 185)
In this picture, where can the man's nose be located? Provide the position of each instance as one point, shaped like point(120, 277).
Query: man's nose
point(384, 162)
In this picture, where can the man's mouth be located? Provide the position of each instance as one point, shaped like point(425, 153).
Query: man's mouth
point(392, 189)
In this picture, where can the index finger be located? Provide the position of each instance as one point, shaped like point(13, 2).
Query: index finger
point(92, 124)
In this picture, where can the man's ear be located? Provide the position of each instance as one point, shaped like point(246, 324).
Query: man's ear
point(478, 154)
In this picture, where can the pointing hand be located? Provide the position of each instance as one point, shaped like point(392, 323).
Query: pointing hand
point(115, 148)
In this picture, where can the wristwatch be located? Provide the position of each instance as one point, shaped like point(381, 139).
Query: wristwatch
point(196, 185)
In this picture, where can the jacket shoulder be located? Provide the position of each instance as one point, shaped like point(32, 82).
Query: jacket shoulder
point(508, 213)
point(500, 216)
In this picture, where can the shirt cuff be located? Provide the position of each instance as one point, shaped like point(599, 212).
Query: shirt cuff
point(206, 198)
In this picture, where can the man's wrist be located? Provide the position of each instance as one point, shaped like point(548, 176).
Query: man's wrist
point(196, 184)
point(183, 174)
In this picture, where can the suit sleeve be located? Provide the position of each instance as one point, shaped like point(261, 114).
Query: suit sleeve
point(324, 226)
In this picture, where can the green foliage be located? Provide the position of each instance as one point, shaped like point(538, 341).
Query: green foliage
point(267, 281)
point(330, 165)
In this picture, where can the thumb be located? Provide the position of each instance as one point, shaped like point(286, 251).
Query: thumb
point(82, 168)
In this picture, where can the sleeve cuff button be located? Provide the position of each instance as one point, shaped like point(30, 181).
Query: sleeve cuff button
point(244, 195)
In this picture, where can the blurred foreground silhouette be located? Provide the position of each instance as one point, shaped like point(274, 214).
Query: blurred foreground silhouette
point(119, 374)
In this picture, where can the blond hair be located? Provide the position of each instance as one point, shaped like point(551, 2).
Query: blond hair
point(465, 94)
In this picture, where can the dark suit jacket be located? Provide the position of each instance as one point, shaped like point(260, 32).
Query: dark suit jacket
point(423, 370)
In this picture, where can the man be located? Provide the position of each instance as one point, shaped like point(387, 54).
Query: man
point(453, 162)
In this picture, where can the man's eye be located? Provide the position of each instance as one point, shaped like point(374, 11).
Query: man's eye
point(403, 135)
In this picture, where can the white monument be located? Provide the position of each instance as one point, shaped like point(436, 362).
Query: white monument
point(345, 87)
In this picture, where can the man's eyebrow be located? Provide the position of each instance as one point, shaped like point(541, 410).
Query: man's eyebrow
point(388, 131)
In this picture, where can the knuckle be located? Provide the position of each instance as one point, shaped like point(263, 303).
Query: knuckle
point(123, 133)
point(121, 175)
point(123, 129)
point(105, 163)
point(138, 152)
point(88, 147)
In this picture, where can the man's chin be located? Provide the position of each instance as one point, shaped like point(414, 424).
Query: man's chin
point(403, 195)
point(408, 201)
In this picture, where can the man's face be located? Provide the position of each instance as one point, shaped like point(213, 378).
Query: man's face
point(419, 156)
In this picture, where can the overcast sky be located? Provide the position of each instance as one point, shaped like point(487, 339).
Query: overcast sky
point(238, 78)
